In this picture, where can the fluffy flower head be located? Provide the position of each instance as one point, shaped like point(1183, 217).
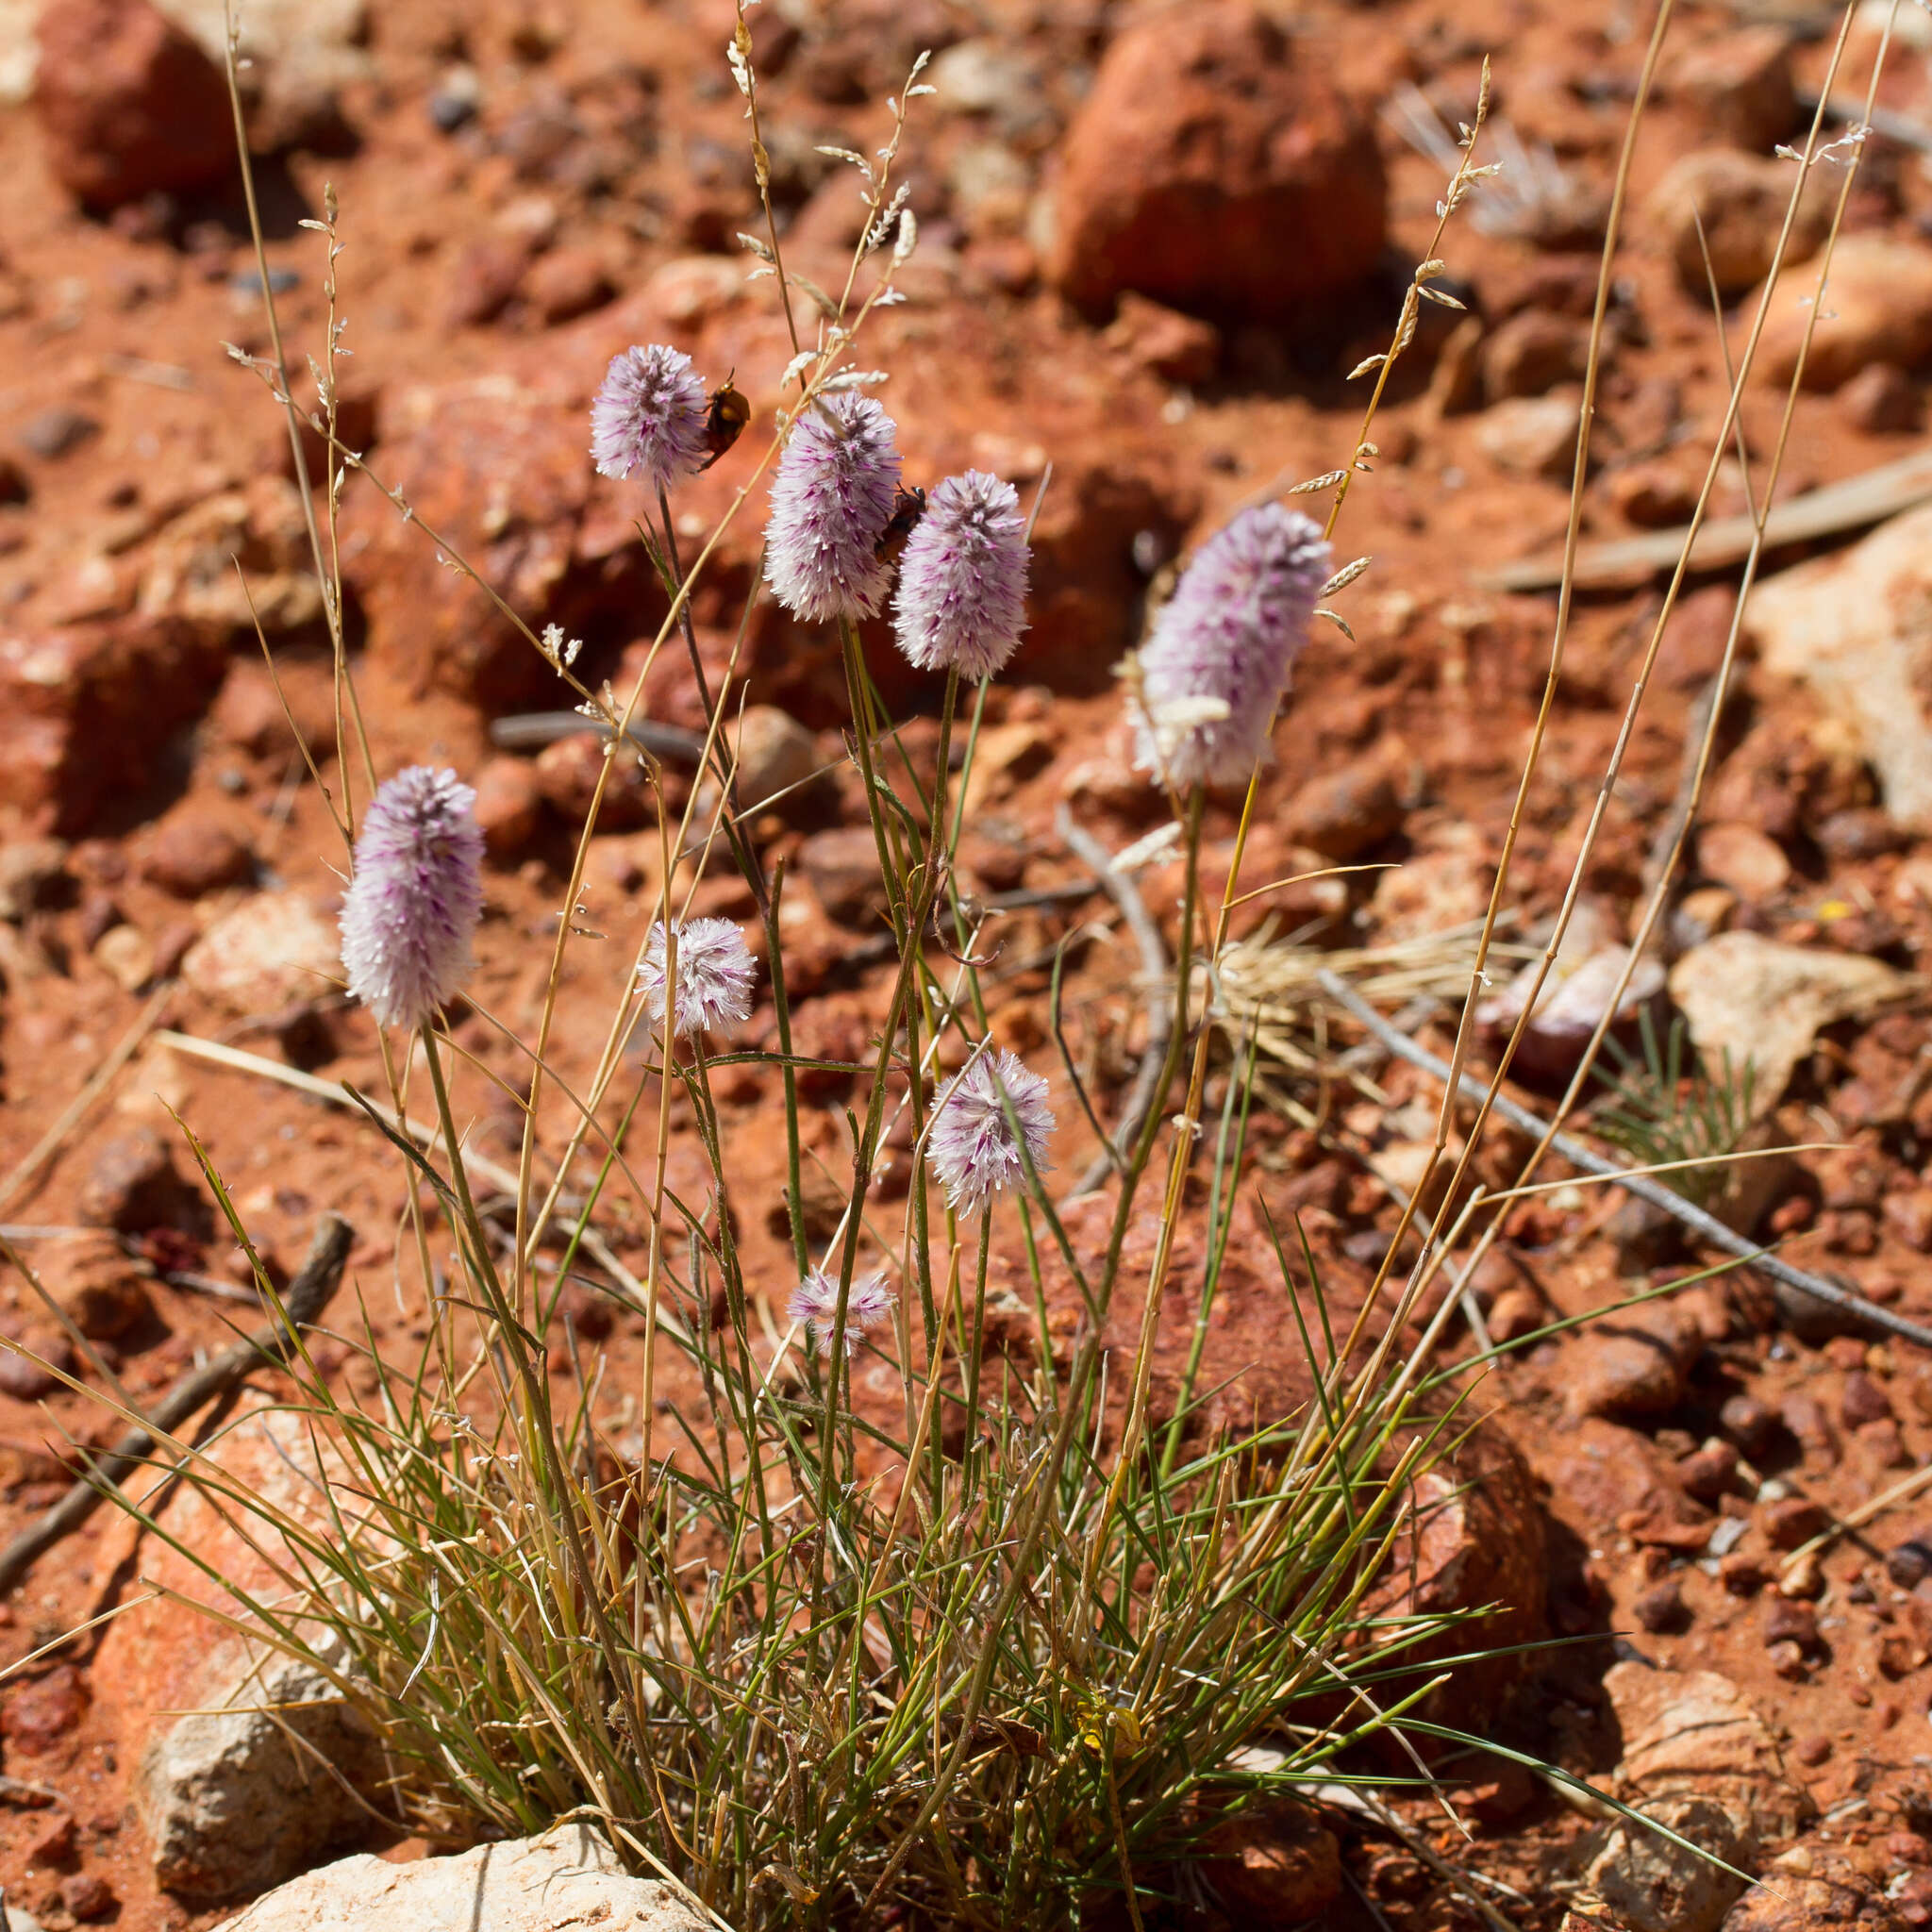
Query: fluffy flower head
point(831, 501)
point(815, 1303)
point(1222, 650)
point(647, 419)
point(972, 1146)
point(414, 897)
point(962, 580)
point(715, 975)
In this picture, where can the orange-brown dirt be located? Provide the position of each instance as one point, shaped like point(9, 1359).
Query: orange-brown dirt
point(587, 200)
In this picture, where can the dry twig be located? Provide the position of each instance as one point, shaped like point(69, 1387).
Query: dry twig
point(274, 1341)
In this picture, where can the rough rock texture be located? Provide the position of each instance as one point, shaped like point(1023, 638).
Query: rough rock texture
point(1749, 998)
point(1741, 85)
point(1653, 1885)
point(86, 710)
point(277, 947)
point(569, 1877)
point(503, 474)
point(1740, 201)
point(229, 1803)
point(1215, 167)
point(1857, 628)
point(1692, 1734)
point(1878, 308)
point(1277, 1864)
point(128, 103)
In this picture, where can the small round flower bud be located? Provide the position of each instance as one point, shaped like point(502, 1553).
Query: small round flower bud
point(815, 1303)
point(831, 501)
point(647, 419)
point(715, 975)
point(972, 1146)
point(1218, 660)
point(962, 581)
point(414, 897)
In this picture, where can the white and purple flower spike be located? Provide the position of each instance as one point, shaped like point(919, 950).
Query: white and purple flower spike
point(1223, 647)
point(831, 501)
point(414, 897)
point(815, 1303)
point(647, 419)
point(972, 1146)
point(715, 975)
point(962, 580)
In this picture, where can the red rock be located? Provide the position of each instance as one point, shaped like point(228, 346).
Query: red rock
point(1532, 352)
point(566, 773)
point(86, 710)
point(1741, 857)
point(195, 851)
point(1632, 1364)
point(843, 864)
point(1880, 310)
point(45, 1709)
point(1709, 1473)
point(27, 1381)
point(502, 472)
point(1749, 1422)
point(510, 804)
point(567, 283)
point(484, 277)
point(54, 1843)
point(1206, 138)
point(96, 1285)
point(1343, 813)
point(1791, 1521)
point(128, 103)
point(1786, 1620)
point(1882, 400)
point(1277, 1865)
point(1534, 435)
point(1739, 201)
point(1863, 1401)
point(1660, 1608)
point(1740, 86)
point(1175, 347)
point(265, 714)
point(133, 1184)
point(89, 1896)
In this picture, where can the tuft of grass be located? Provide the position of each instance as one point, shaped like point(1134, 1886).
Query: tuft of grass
point(1665, 1109)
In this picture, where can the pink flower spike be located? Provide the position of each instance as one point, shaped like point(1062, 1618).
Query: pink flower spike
point(831, 501)
point(971, 1144)
point(962, 580)
point(1223, 647)
point(414, 897)
point(647, 419)
point(715, 977)
point(815, 1304)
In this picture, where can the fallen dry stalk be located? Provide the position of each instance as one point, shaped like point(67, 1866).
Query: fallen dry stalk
point(1705, 1226)
point(274, 1341)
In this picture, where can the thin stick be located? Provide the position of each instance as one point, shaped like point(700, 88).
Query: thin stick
point(1153, 975)
point(1901, 1491)
point(1706, 1226)
point(274, 1341)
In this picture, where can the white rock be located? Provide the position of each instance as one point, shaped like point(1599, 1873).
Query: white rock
point(1749, 998)
point(569, 1877)
point(1652, 1883)
point(1857, 629)
point(20, 53)
point(1694, 1734)
point(271, 950)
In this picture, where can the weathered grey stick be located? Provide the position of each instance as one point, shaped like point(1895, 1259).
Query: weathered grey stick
point(528, 730)
point(1830, 511)
point(274, 1341)
point(1706, 1226)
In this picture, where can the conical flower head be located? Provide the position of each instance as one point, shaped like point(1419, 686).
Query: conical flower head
point(971, 1145)
point(815, 1304)
point(715, 975)
point(831, 501)
point(415, 897)
point(1218, 660)
point(647, 419)
point(962, 581)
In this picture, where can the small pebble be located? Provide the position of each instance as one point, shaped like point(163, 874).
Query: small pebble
point(54, 432)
